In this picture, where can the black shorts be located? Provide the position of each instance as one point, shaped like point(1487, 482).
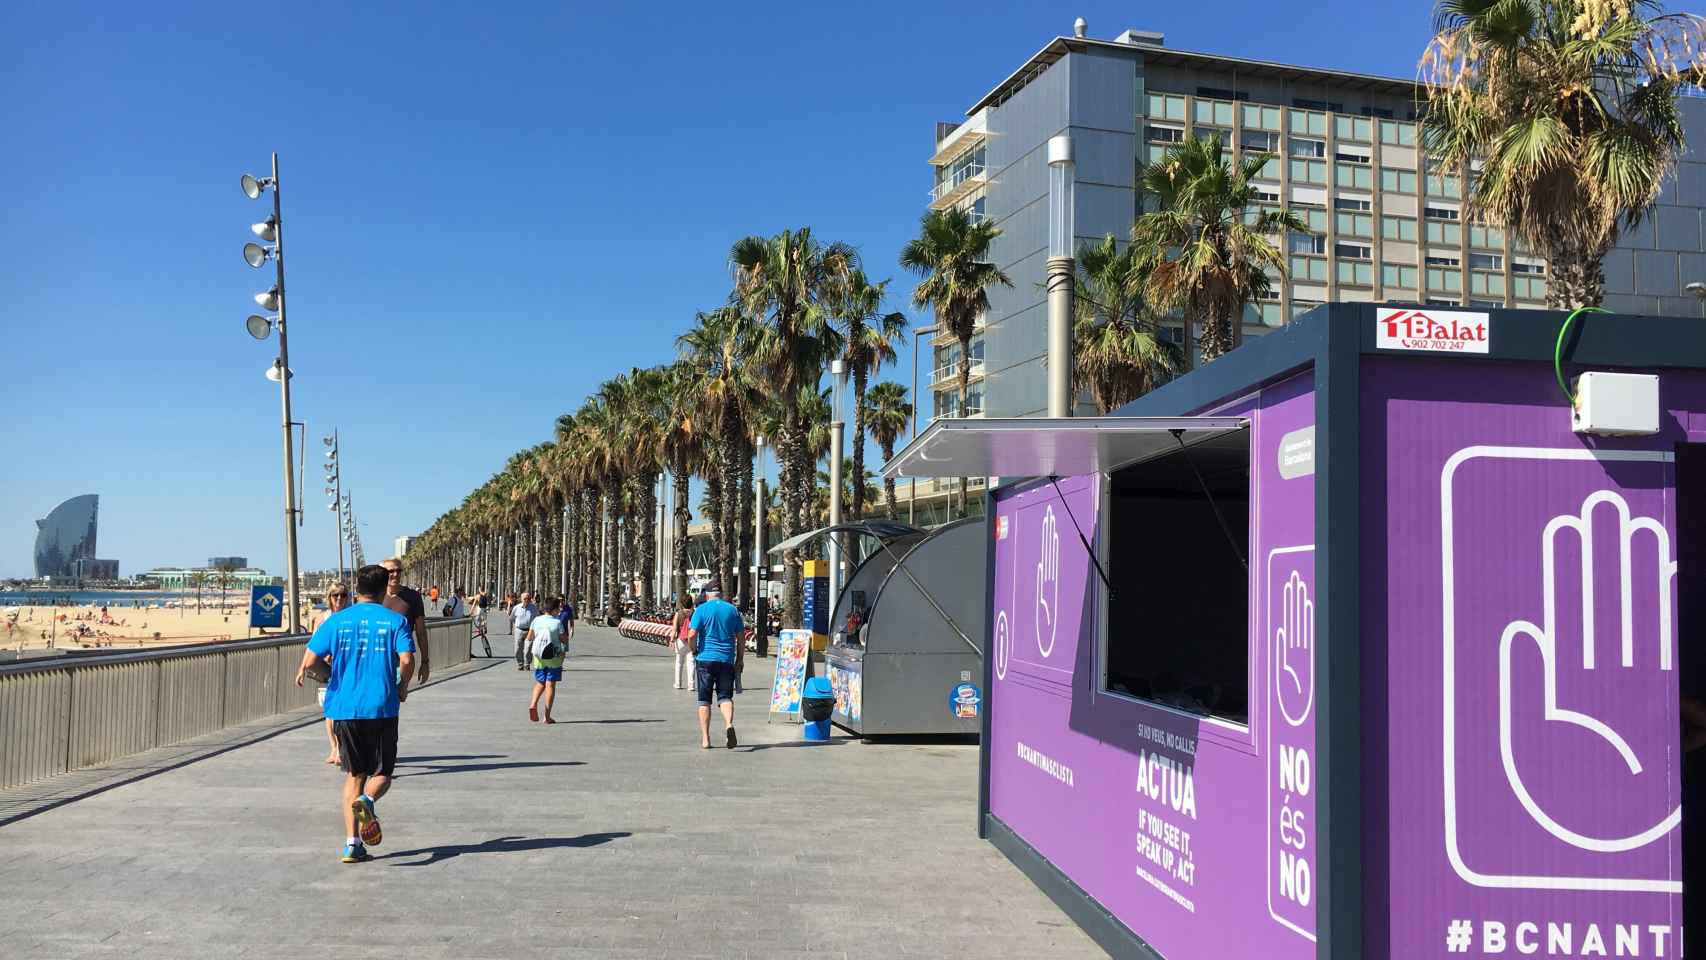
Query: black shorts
point(717, 675)
point(367, 748)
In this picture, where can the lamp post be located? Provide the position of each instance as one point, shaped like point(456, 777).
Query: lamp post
point(761, 565)
point(837, 427)
point(1061, 177)
point(256, 255)
point(334, 477)
point(918, 334)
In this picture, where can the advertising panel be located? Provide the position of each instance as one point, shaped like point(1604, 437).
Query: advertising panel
point(1196, 834)
point(1528, 611)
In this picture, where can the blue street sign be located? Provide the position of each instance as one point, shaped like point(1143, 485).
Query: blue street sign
point(266, 606)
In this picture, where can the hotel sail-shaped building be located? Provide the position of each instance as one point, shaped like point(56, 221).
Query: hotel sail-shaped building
point(67, 535)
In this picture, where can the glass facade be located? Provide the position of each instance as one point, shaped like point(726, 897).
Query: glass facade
point(66, 536)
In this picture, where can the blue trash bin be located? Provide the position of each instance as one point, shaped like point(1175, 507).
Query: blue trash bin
point(817, 702)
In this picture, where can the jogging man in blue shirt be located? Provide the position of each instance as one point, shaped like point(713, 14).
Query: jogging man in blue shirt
point(715, 633)
point(372, 654)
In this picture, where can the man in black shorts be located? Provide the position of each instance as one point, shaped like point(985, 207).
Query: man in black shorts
point(409, 602)
point(372, 654)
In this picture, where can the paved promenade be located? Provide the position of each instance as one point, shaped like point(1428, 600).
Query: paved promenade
point(609, 835)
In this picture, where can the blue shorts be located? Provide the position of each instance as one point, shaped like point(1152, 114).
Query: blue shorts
point(717, 676)
point(547, 674)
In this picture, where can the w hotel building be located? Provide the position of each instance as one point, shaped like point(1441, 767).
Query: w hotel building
point(1387, 224)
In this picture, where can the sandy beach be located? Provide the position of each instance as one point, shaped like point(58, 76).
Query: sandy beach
point(84, 627)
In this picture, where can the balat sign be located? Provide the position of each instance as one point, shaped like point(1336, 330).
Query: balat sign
point(1450, 331)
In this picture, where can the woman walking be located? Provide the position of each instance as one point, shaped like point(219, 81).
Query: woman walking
point(678, 632)
point(337, 598)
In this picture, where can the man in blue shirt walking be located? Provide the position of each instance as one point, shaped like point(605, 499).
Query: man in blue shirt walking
point(716, 633)
point(372, 655)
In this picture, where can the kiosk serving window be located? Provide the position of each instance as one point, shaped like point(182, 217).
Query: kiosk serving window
point(1177, 614)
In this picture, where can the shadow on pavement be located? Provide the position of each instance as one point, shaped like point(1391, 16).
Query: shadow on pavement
point(502, 845)
point(631, 720)
point(425, 771)
point(793, 743)
point(403, 761)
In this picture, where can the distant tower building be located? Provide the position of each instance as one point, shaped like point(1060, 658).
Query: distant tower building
point(65, 536)
point(234, 563)
point(403, 544)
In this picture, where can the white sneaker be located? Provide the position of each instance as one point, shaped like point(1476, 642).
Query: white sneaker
point(679, 687)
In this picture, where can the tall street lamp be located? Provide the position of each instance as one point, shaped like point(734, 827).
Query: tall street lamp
point(335, 490)
point(1061, 177)
point(918, 334)
point(761, 563)
point(256, 255)
point(837, 428)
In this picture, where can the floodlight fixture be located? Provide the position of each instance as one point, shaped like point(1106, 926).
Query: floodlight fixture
point(272, 372)
point(258, 326)
point(268, 300)
point(256, 255)
point(267, 230)
point(253, 186)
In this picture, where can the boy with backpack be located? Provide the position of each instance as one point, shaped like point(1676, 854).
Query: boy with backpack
point(546, 643)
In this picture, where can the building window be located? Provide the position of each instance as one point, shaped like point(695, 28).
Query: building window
point(1353, 251)
point(1217, 112)
point(1491, 237)
point(977, 211)
point(1397, 181)
point(1486, 261)
point(1260, 117)
point(1315, 217)
point(1309, 268)
point(1326, 105)
point(1216, 93)
point(1356, 224)
point(1436, 302)
point(1352, 203)
point(1305, 243)
point(1309, 124)
point(1351, 154)
point(1445, 234)
point(1398, 275)
point(1398, 228)
point(1450, 281)
point(1397, 134)
point(1259, 195)
point(1300, 147)
point(1267, 314)
point(1359, 274)
point(1538, 269)
point(1166, 106)
point(1353, 175)
point(1447, 185)
point(1309, 171)
point(1487, 283)
point(1376, 112)
point(1259, 141)
point(1301, 307)
point(1157, 133)
point(1529, 288)
point(1354, 128)
point(1440, 213)
point(1443, 261)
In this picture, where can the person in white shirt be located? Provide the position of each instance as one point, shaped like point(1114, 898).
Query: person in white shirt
point(454, 606)
point(520, 619)
point(548, 646)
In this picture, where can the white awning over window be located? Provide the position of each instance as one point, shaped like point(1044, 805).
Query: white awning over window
point(1044, 447)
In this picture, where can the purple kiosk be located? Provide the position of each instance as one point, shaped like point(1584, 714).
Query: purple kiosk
point(1363, 641)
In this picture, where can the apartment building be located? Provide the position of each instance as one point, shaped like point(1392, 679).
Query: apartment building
point(1387, 223)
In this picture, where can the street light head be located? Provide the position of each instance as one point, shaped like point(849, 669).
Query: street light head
point(267, 230)
point(268, 300)
point(272, 372)
point(1697, 288)
point(258, 326)
point(331, 506)
point(252, 186)
point(255, 254)
point(330, 453)
point(326, 440)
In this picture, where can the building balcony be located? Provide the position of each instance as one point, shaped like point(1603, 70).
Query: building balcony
point(959, 186)
point(949, 375)
point(968, 136)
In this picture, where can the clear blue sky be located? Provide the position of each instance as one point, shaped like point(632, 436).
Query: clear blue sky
point(487, 213)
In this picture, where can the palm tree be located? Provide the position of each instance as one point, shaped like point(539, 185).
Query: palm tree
point(683, 450)
point(1205, 258)
point(1116, 351)
point(869, 338)
point(1571, 106)
point(785, 282)
point(951, 254)
point(221, 574)
point(886, 411)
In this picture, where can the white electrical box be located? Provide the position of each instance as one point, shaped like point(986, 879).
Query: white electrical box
point(1616, 404)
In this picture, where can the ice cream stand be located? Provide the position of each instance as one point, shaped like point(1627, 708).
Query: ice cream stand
point(1364, 640)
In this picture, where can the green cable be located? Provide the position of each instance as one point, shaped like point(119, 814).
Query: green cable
point(1558, 351)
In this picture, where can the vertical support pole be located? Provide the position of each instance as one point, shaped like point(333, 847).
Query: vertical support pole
point(291, 585)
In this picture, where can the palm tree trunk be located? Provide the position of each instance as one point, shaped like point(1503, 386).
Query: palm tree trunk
point(648, 541)
point(743, 537)
point(612, 499)
point(888, 482)
point(1577, 280)
point(793, 610)
point(714, 506)
point(965, 399)
point(678, 543)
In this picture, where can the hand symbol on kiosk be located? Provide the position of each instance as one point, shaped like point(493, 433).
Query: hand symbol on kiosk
point(1048, 585)
point(1622, 681)
point(1294, 651)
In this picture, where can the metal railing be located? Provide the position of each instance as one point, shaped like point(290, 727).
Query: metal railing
point(65, 713)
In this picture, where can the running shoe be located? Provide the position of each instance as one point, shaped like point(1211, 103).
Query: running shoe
point(731, 737)
point(366, 822)
point(356, 853)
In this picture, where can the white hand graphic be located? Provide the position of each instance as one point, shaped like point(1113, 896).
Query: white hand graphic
point(1294, 652)
point(1545, 638)
point(1048, 585)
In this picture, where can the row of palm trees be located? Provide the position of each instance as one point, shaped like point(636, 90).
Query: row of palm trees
point(1565, 108)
